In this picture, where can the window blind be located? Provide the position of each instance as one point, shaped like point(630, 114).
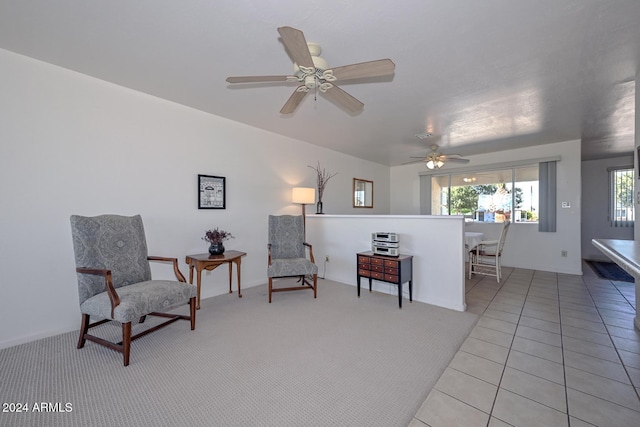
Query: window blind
point(547, 191)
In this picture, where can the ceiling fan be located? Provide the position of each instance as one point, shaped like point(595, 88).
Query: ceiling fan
point(313, 73)
point(435, 160)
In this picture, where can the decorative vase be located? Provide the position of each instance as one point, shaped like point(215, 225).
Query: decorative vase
point(216, 249)
point(319, 208)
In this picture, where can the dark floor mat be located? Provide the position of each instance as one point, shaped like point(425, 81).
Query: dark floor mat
point(610, 271)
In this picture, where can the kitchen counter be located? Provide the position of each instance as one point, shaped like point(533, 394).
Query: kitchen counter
point(625, 253)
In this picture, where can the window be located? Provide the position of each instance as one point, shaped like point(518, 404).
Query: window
point(621, 212)
point(488, 196)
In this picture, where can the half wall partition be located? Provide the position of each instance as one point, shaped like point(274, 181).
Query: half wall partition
point(436, 243)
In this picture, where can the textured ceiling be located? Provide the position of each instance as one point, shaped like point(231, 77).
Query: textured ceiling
point(480, 75)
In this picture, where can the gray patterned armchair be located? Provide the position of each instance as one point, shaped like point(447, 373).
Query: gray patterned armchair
point(287, 254)
point(114, 279)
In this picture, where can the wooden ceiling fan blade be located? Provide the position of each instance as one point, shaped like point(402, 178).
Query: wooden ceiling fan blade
point(256, 79)
point(294, 100)
point(415, 161)
point(381, 67)
point(296, 44)
point(343, 99)
point(456, 160)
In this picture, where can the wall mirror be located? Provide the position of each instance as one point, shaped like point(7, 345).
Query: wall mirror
point(362, 193)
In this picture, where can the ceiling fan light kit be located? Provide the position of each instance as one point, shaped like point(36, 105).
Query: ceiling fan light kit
point(312, 72)
point(434, 163)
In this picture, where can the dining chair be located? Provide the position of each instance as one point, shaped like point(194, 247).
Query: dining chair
point(486, 257)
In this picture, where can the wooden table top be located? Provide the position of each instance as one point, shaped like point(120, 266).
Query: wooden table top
point(225, 256)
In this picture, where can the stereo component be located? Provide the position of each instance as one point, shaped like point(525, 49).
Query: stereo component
point(384, 243)
point(385, 237)
point(386, 251)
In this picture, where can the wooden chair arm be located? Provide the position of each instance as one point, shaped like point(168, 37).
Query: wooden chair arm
point(310, 251)
point(111, 291)
point(176, 269)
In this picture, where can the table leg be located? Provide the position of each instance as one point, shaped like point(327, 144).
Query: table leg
point(230, 265)
point(400, 294)
point(410, 291)
point(199, 282)
point(238, 268)
point(358, 286)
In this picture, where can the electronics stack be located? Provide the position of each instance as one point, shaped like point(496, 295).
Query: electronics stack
point(386, 244)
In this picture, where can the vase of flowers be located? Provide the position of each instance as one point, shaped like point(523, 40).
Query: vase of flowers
point(216, 237)
point(322, 177)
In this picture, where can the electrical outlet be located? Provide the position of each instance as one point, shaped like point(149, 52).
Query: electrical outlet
point(563, 254)
point(326, 258)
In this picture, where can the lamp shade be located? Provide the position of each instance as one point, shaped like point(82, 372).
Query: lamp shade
point(303, 195)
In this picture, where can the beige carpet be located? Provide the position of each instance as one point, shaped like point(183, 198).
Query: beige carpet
point(337, 360)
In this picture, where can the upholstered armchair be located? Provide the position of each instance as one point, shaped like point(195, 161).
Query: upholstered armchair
point(114, 279)
point(287, 254)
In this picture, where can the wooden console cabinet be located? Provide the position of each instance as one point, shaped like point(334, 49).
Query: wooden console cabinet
point(396, 270)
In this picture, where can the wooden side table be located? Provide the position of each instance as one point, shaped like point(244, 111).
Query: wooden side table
point(396, 270)
point(211, 262)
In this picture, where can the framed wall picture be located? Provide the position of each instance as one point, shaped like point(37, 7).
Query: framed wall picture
point(212, 192)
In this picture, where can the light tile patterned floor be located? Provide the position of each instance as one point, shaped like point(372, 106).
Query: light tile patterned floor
point(549, 350)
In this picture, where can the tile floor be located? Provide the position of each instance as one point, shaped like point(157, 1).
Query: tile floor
point(548, 350)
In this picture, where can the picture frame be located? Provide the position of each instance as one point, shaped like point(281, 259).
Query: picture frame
point(212, 192)
point(362, 193)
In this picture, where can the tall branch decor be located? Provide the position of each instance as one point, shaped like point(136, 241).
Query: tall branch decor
point(322, 178)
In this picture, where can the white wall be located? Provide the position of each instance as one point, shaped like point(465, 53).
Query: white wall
point(72, 144)
point(595, 206)
point(525, 247)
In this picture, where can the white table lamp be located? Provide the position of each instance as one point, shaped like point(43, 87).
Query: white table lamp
point(303, 196)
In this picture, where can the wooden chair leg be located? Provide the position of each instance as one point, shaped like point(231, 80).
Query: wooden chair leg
point(192, 312)
point(126, 342)
point(315, 285)
point(84, 328)
point(270, 288)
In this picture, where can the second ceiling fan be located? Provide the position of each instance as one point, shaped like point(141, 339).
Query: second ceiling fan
point(435, 159)
point(312, 72)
